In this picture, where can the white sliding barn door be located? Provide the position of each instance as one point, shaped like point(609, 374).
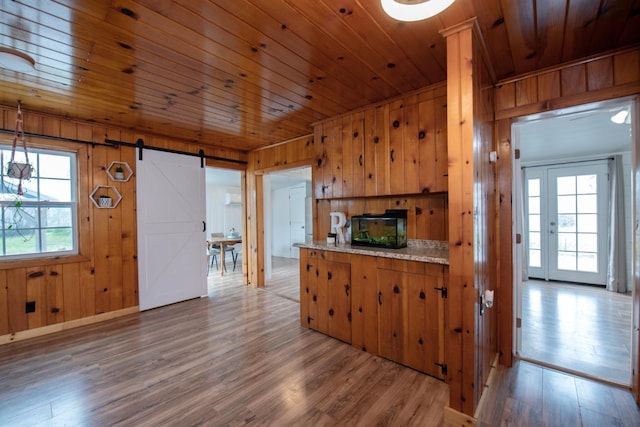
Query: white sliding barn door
point(172, 263)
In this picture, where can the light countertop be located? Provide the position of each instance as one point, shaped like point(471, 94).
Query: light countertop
point(433, 251)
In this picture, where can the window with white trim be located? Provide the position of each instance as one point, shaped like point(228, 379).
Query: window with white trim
point(43, 220)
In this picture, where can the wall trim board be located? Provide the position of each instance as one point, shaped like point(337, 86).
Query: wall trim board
point(58, 327)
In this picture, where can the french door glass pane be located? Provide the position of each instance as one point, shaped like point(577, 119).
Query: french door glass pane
point(566, 241)
point(534, 222)
point(566, 185)
point(566, 223)
point(535, 259)
point(566, 260)
point(533, 189)
point(587, 184)
point(588, 262)
point(566, 204)
point(588, 203)
point(588, 223)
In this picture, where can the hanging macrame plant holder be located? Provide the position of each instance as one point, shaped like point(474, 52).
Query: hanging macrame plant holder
point(19, 170)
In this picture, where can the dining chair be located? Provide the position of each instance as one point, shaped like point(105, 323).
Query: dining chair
point(216, 251)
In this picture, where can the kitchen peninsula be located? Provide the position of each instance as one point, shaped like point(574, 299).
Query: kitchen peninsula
point(388, 302)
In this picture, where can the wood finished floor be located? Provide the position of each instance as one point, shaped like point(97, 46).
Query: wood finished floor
point(580, 328)
point(239, 357)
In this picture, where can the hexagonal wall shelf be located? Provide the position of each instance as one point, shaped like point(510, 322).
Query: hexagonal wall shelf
point(119, 175)
point(102, 202)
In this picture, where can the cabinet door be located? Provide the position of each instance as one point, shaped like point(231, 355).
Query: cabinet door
point(396, 159)
point(328, 167)
point(338, 307)
point(353, 155)
point(309, 288)
point(364, 304)
point(423, 327)
point(390, 315)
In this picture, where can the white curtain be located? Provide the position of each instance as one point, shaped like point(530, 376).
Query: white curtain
point(617, 265)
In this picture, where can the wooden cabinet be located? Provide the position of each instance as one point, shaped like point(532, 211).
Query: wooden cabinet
point(325, 292)
point(388, 307)
point(411, 314)
point(391, 149)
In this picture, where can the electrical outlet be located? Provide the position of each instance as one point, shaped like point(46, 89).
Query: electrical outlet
point(30, 307)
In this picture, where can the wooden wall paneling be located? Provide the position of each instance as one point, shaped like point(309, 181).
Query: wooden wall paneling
point(505, 96)
point(348, 163)
point(626, 67)
point(456, 127)
point(4, 299)
point(71, 291)
point(358, 154)
point(526, 91)
point(323, 225)
point(573, 80)
point(128, 231)
point(441, 160)
point(101, 229)
point(370, 157)
point(600, 73)
point(257, 250)
point(395, 154)
point(427, 146)
point(17, 297)
point(549, 85)
point(503, 304)
point(114, 239)
point(55, 305)
point(305, 296)
point(410, 146)
point(36, 284)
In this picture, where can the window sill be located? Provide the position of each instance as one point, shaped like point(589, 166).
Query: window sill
point(37, 262)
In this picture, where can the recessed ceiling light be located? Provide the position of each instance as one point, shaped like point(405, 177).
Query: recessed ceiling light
point(414, 10)
point(620, 117)
point(14, 60)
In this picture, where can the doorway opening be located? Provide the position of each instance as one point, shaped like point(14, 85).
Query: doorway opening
point(573, 280)
point(288, 219)
point(224, 216)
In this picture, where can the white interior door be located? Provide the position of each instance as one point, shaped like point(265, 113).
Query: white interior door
point(567, 222)
point(297, 217)
point(172, 264)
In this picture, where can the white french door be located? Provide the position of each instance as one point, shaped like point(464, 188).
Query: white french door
point(566, 222)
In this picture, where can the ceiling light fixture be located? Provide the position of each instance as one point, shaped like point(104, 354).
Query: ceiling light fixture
point(620, 117)
point(14, 60)
point(414, 10)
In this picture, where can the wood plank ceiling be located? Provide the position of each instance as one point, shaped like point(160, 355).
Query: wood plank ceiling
point(244, 74)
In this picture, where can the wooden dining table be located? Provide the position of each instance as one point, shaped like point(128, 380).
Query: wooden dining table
point(223, 242)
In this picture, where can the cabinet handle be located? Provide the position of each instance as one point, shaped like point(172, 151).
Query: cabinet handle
point(422, 295)
point(392, 156)
point(346, 289)
point(379, 298)
point(360, 159)
point(376, 139)
point(329, 275)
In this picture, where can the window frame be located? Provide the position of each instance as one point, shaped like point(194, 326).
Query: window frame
point(74, 205)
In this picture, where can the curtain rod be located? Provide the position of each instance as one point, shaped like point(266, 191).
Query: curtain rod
point(115, 144)
point(596, 159)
